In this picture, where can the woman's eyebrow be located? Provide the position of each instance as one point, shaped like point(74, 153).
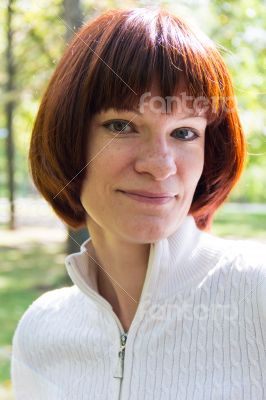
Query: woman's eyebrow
point(142, 114)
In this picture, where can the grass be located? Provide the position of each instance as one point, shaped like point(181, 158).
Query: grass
point(30, 268)
point(240, 225)
point(26, 273)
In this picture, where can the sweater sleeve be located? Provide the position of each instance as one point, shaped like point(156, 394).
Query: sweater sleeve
point(253, 261)
point(27, 382)
point(262, 299)
point(29, 375)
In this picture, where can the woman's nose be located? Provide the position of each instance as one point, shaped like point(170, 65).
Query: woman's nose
point(156, 158)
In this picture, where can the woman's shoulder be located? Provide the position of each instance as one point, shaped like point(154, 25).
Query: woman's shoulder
point(247, 253)
point(42, 326)
point(240, 255)
point(48, 309)
point(247, 258)
point(52, 300)
point(239, 267)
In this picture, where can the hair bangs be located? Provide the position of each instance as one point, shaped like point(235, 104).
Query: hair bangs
point(166, 51)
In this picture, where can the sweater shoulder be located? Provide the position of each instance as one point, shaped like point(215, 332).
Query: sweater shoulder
point(39, 334)
point(48, 308)
point(249, 253)
point(243, 254)
point(55, 299)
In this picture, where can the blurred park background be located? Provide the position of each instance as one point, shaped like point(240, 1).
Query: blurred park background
point(34, 34)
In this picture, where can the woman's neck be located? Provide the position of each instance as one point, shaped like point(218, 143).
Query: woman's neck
point(121, 272)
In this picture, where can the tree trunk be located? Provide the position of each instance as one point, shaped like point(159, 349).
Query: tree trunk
point(73, 21)
point(9, 110)
point(72, 16)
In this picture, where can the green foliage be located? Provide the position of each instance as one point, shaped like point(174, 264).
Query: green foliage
point(239, 28)
point(251, 187)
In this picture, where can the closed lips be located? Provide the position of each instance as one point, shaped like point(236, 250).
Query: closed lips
point(149, 194)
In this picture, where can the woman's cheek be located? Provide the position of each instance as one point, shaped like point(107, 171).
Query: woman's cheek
point(191, 163)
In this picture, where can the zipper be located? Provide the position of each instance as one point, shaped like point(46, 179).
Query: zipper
point(119, 372)
point(79, 281)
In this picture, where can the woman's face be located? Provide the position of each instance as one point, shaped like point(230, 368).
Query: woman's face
point(162, 154)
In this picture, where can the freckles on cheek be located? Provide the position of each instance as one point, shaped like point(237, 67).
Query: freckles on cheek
point(192, 166)
point(195, 157)
point(118, 156)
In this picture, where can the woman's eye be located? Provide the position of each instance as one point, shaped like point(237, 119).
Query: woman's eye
point(118, 126)
point(123, 126)
point(185, 134)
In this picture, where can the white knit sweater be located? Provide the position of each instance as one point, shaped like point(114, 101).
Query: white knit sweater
point(199, 331)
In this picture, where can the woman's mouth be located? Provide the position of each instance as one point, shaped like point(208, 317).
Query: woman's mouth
point(147, 199)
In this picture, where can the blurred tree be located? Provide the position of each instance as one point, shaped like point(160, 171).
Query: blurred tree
point(73, 17)
point(73, 21)
point(36, 49)
point(9, 109)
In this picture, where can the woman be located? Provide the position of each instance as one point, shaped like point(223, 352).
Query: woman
point(138, 137)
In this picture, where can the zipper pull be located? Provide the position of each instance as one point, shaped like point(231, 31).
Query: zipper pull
point(121, 355)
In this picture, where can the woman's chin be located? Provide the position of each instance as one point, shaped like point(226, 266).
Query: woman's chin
point(147, 234)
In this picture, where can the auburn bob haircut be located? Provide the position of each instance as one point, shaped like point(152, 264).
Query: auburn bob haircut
point(111, 62)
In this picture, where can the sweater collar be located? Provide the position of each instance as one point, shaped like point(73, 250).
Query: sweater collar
point(175, 263)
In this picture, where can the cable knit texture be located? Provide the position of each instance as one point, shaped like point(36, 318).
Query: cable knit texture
point(199, 331)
